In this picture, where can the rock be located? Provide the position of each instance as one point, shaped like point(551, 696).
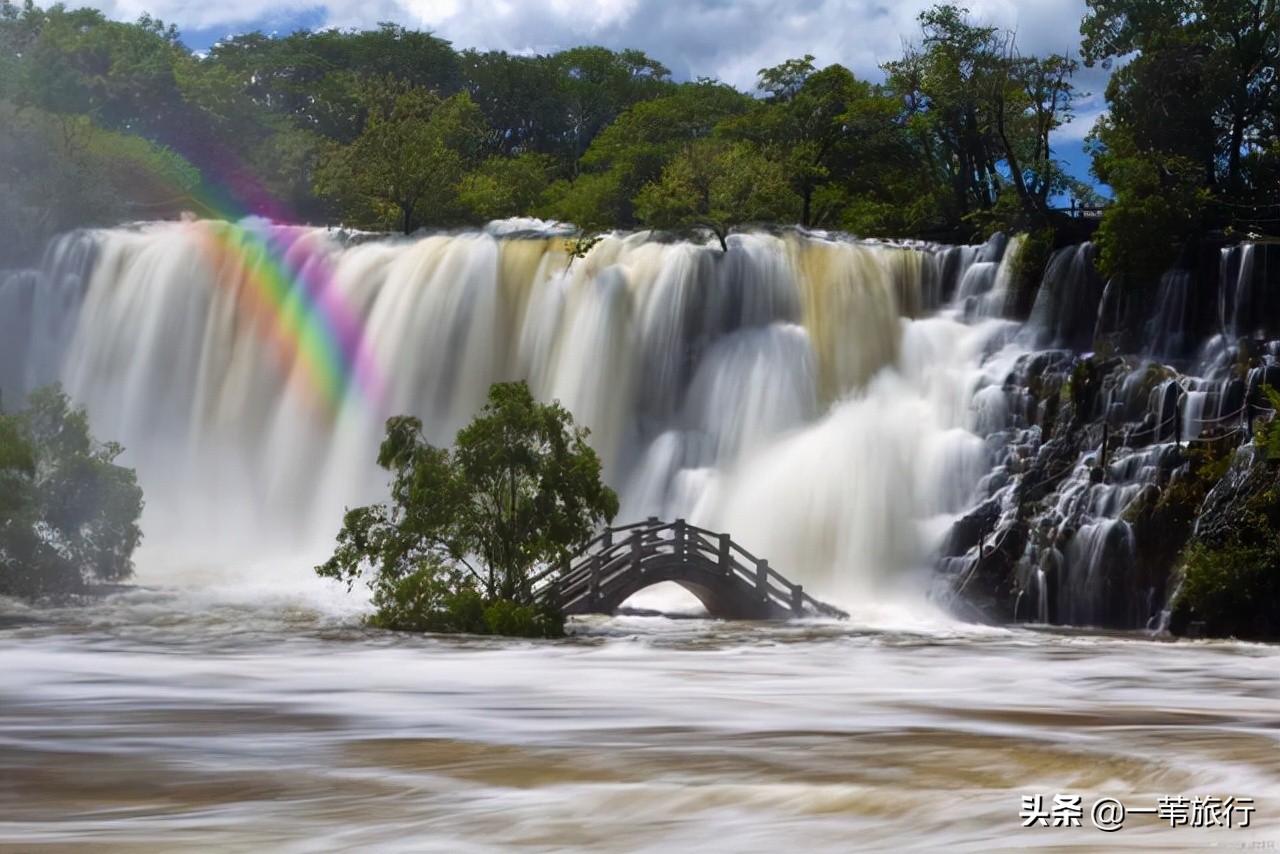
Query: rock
point(1225, 508)
point(971, 529)
point(986, 590)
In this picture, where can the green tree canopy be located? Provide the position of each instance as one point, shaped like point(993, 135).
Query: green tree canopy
point(806, 124)
point(393, 128)
point(983, 113)
point(68, 513)
point(1189, 142)
point(633, 150)
point(405, 167)
point(718, 184)
point(316, 78)
point(519, 490)
point(507, 186)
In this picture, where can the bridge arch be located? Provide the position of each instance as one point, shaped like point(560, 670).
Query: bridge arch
point(700, 577)
point(728, 580)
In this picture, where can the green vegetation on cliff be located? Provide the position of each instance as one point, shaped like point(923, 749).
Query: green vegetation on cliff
point(1231, 572)
point(1231, 567)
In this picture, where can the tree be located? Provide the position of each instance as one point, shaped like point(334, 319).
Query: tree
point(632, 151)
point(466, 527)
point(405, 167)
point(1193, 117)
point(983, 114)
point(68, 513)
point(506, 186)
point(717, 184)
point(806, 123)
point(596, 84)
point(519, 100)
point(1160, 200)
point(316, 78)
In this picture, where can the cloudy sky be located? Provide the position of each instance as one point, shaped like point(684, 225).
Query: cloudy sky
point(726, 39)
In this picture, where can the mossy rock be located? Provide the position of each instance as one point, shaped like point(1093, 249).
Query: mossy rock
point(1233, 591)
point(1231, 569)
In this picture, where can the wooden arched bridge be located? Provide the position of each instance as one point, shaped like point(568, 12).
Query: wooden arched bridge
point(727, 579)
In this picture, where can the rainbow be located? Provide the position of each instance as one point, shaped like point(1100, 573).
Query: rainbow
point(284, 281)
point(285, 290)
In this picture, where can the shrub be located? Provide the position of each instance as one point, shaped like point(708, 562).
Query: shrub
point(1230, 591)
point(511, 619)
point(429, 599)
point(1231, 577)
point(1267, 433)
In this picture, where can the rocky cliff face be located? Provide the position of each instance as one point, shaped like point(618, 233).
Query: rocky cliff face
point(1114, 475)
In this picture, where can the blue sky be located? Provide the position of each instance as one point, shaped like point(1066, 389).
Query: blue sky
point(726, 39)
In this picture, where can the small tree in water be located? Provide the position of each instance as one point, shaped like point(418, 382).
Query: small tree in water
point(454, 549)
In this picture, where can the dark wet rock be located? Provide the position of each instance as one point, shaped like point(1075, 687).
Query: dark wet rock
point(971, 529)
point(985, 589)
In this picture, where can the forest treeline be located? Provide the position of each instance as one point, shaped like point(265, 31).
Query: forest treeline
point(102, 121)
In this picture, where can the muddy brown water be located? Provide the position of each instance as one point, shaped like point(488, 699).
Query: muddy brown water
point(152, 721)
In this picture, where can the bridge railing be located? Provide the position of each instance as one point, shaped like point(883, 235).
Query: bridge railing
point(607, 560)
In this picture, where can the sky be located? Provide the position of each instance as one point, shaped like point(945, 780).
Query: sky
point(730, 40)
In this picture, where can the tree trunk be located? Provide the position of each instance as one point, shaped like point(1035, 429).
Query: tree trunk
point(720, 235)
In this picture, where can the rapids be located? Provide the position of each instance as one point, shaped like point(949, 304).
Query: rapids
point(159, 720)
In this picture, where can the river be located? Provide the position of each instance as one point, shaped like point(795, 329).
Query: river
point(173, 717)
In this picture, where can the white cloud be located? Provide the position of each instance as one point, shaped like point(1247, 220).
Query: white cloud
point(727, 39)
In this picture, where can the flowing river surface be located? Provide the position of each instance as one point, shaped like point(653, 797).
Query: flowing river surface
point(174, 717)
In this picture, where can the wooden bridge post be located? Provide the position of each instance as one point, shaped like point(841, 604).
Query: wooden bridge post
point(607, 538)
point(797, 600)
point(679, 540)
point(725, 563)
point(648, 534)
point(637, 541)
point(762, 578)
point(594, 595)
point(557, 582)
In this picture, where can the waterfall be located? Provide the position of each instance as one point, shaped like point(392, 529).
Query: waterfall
point(800, 392)
point(1235, 288)
point(835, 405)
point(1167, 329)
point(1065, 313)
point(38, 312)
